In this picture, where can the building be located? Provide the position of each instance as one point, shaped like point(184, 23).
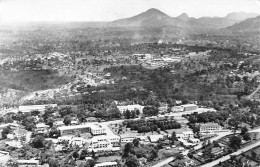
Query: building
point(210, 128)
point(185, 135)
point(97, 129)
point(30, 108)
point(113, 139)
point(131, 108)
point(72, 130)
point(185, 107)
point(25, 163)
point(127, 139)
point(91, 119)
point(41, 128)
point(94, 129)
point(155, 138)
point(217, 150)
point(107, 164)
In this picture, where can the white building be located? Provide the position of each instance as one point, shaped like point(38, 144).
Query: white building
point(41, 128)
point(95, 129)
point(185, 135)
point(131, 108)
point(24, 163)
point(185, 107)
point(127, 139)
point(210, 128)
point(107, 164)
point(30, 108)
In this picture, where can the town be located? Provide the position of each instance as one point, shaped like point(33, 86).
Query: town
point(151, 90)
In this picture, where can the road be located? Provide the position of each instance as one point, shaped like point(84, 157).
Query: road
point(164, 162)
point(227, 157)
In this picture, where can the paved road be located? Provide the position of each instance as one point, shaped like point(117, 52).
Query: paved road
point(164, 162)
point(227, 157)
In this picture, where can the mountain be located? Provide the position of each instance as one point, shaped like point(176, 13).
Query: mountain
point(156, 18)
point(152, 17)
point(248, 25)
point(241, 15)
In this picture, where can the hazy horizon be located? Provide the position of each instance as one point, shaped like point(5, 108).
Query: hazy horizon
point(22, 11)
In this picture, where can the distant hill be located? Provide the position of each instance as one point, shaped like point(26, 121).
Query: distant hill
point(156, 18)
point(241, 16)
point(248, 25)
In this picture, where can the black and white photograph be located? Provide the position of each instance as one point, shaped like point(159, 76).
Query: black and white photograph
point(129, 83)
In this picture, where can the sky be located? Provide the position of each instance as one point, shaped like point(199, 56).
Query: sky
point(109, 10)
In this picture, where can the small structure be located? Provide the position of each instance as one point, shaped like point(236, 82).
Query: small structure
point(216, 150)
point(155, 138)
point(25, 163)
point(107, 164)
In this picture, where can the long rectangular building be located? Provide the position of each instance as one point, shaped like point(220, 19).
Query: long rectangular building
point(94, 129)
point(30, 108)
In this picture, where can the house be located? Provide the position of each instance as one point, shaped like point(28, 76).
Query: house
point(210, 128)
point(217, 151)
point(91, 119)
point(122, 109)
point(155, 138)
point(106, 164)
point(41, 128)
point(194, 140)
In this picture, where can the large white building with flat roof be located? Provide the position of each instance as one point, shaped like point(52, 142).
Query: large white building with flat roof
point(94, 129)
point(210, 128)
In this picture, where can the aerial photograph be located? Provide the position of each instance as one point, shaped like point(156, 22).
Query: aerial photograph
point(129, 83)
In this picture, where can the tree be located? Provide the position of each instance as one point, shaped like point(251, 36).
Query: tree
point(136, 142)
point(90, 163)
point(127, 114)
point(127, 149)
point(38, 142)
point(5, 132)
point(244, 130)
point(54, 132)
point(75, 155)
point(67, 120)
point(132, 161)
point(50, 121)
point(53, 163)
point(11, 163)
point(133, 114)
point(173, 137)
point(235, 142)
point(35, 112)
